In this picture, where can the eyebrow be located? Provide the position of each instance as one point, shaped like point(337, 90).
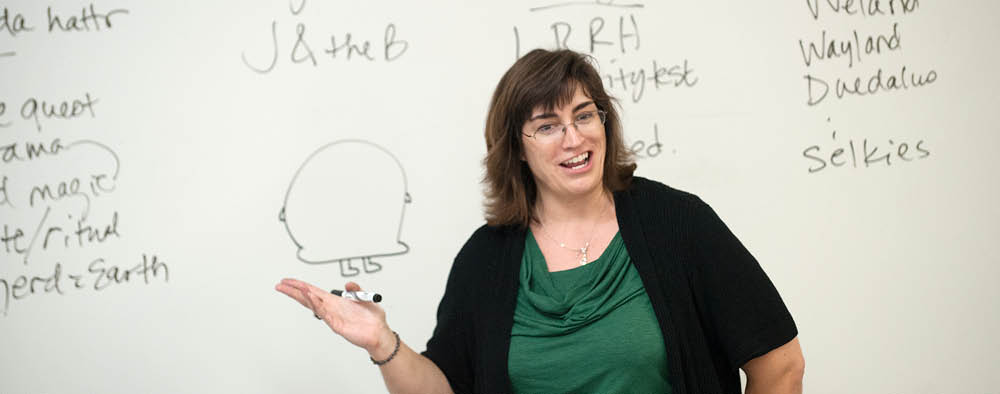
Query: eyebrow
point(552, 115)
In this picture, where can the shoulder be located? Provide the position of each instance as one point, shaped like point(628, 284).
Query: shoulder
point(484, 238)
point(482, 246)
point(663, 210)
point(647, 193)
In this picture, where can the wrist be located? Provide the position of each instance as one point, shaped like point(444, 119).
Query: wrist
point(384, 345)
point(395, 350)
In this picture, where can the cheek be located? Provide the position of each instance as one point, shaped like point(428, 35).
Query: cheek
point(602, 146)
point(525, 149)
point(532, 157)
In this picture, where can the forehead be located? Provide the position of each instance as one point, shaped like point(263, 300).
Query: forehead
point(568, 98)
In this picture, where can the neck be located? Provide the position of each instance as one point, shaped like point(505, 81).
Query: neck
point(583, 209)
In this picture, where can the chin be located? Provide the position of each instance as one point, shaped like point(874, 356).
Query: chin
point(586, 185)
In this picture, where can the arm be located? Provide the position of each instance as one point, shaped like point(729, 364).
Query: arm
point(408, 372)
point(742, 309)
point(364, 325)
point(779, 371)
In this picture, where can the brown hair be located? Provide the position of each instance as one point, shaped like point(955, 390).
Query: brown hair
point(550, 79)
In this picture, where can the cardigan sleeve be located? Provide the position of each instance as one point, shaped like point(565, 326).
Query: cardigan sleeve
point(736, 300)
point(449, 346)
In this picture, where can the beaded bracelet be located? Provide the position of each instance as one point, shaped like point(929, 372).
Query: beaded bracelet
point(394, 351)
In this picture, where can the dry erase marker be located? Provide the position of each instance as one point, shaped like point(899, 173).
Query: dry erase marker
point(358, 295)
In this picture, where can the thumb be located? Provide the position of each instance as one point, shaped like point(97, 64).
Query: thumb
point(351, 286)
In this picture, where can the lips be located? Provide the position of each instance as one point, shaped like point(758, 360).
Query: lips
point(578, 161)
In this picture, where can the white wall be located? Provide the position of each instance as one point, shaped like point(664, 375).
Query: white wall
point(889, 268)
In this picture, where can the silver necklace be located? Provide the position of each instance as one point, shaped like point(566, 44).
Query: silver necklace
point(581, 252)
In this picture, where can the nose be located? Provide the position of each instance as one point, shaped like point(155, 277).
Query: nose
point(571, 136)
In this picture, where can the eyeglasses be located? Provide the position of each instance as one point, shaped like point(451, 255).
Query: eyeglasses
point(584, 122)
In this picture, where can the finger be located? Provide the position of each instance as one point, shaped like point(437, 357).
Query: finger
point(294, 287)
point(294, 294)
point(351, 286)
point(298, 284)
point(309, 288)
point(304, 287)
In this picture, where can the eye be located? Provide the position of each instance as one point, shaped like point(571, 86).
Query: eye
point(584, 117)
point(546, 129)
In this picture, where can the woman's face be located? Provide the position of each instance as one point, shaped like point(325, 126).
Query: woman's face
point(571, 163)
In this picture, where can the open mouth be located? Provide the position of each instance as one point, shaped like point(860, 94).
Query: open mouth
point(577, 162)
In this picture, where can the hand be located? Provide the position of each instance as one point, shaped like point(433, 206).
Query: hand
point(360, 323)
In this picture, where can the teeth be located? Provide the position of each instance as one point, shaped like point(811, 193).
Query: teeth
point(583, 156)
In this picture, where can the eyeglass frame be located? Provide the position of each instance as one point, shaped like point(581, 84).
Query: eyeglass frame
point(601, 114)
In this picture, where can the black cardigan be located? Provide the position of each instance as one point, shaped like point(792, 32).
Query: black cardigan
point(716, 307)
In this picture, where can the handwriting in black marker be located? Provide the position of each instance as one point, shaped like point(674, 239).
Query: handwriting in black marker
point(86, 233)
point(274, 53)
point(84, 188)
point(107, 276)
point(642, 150)
point(627, 39)
point(608, 3)
point(4, 197)
point(862, 153)
point(817, 88)
point(352, 48)
point(105, 148)
point(100, 274)
point(296, 11)
point(35, 109)
point(327, 192)
point(13, 26)
point(300, 42)
point(864, 8)
point(23, 287)
point(93, 185)
point(63, 190)
point(657, 75)
point(852, 47)
point(34, 238)
point(391, 42)
point(89, 234)
point(12, 240)
point(14, 152)
point(89, 19)
point(81, 234)
point(517, 44)
point(3, 111)
point(302, 47)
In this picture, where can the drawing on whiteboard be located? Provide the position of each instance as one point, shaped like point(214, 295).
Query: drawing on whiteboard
point(607, 3)
point(301, 50)
point(346, 203)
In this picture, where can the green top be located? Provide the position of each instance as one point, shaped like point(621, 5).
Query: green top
point(589, 329)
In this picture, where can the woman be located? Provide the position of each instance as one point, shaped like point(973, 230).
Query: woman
point(585, 278)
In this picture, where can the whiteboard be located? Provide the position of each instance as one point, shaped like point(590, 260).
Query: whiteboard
point(151, 150)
